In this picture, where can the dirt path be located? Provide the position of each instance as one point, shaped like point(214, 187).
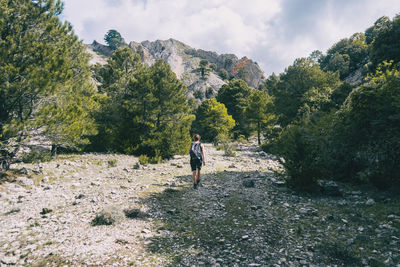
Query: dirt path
point(241, 216)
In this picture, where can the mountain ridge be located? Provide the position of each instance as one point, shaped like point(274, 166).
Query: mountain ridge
point(185, 63)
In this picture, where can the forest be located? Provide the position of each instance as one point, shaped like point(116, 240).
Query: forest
point(328, 116)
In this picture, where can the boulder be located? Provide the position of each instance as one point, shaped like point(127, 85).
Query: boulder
point(330, 188)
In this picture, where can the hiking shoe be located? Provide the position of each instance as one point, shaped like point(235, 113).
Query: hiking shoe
point(194, 186)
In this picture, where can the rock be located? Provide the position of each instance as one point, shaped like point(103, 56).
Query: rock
point(24, 181)
point(330, 188)
point(370, 202)
point(45, 179)
point(303, 262)
point(245, 237)
point(80, 196)
point(45, 211)
point(137, 166)
point(248, 183)
point(24, 171)
point(10, 260)
point(232, 166)
point(279, 183)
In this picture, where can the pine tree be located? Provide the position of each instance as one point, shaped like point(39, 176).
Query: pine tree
point(259, 111)
point(235, 96)
point(40, 58)
point(212, 120)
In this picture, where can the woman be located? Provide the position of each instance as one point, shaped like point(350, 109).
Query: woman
point(197, 159)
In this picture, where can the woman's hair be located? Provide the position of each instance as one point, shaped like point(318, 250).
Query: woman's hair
point(196, 137)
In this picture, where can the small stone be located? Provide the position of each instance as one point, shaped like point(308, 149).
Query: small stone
point(245, 237)
point(45, 211)
point(45, 179)
point(23, 171)
point(232, 166)
point(80, 196)
point(136, 166)
point(303, 262)
point(370, 202)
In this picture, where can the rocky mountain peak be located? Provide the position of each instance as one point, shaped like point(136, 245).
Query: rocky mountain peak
point(185, 63)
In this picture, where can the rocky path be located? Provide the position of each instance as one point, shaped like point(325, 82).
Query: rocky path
point(243, 215)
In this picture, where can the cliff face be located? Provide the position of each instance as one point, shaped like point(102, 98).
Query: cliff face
point(185, 62)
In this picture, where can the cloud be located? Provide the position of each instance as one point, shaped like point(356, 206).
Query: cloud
point(272, 32)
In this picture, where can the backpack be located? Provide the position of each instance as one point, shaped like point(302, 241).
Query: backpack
point(195, 151)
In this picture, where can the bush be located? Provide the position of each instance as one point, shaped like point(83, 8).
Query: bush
point(241, 139)
point(223, 142)
point(108, 216)
point(144, 159)
point(155, 159)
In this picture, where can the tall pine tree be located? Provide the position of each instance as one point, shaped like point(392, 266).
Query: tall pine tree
point(40, 58)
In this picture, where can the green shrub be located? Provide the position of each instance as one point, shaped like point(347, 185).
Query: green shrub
point(36, 156)
point(155, 159)
point(144, 159)
point(241, 139)
point(108, 216)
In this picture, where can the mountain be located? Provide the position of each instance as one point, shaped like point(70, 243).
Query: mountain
point(185, 62)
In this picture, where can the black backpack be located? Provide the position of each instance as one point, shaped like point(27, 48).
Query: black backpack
point(195, 151)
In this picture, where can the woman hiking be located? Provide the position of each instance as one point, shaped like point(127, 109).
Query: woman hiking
point(197, 159)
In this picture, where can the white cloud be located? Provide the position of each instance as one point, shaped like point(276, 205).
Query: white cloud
point(272, 32)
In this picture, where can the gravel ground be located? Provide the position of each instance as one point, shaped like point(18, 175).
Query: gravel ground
point(242, 215)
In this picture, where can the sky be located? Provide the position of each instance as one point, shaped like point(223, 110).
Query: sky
point(271, 32)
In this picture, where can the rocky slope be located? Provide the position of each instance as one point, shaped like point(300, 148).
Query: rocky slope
point(184, 61)
point(243, 215)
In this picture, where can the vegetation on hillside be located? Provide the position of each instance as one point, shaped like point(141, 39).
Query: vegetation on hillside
point(331, 129)
point(329, 116)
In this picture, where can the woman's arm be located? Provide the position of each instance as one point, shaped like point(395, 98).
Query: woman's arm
point(202, 154)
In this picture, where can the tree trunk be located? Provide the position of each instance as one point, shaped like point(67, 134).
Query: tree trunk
point(258, 133)
point(54, 151)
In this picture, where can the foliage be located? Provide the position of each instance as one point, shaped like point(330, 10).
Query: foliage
point(259, 111)
point(143, 159)
point(346, 55)
point(369, 126)
point(301, 147)
point(223, 74)
point(357, 143)
point(212, 120)
point(114, 39)
point(43, 63)
point(384, 38)
point(203, 67)
point(36, 156)
point(304, 75)
point(145, 110)
point(108, 216)
point(235, 97)
point(224, 142)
